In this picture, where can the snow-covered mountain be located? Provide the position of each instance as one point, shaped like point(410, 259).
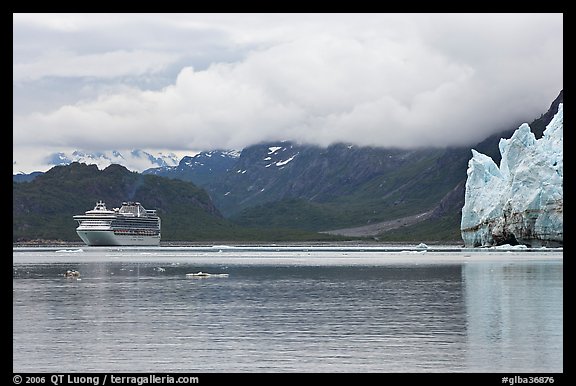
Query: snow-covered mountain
point(135, 160)
point(522, 200)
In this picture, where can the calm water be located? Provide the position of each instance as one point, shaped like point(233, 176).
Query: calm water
point(134, 310)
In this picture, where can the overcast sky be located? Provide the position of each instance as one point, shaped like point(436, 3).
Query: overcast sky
point(190, 82)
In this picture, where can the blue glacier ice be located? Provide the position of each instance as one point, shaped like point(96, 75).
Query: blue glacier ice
point(520, 202)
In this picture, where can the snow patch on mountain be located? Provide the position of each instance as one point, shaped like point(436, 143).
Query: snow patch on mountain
point(282, 163)
point(274, 149)
point(520, 202)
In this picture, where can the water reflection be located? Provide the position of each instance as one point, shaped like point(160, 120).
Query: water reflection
point(514, 316)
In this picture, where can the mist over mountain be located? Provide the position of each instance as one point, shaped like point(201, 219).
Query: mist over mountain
point(285, 184)
point(342, 189)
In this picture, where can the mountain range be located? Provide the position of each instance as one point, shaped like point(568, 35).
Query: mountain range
point(342, 189)
point(307, 187)
point(382, 193)
point(135, 159)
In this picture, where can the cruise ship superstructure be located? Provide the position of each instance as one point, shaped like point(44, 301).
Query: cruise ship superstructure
point(129, 225)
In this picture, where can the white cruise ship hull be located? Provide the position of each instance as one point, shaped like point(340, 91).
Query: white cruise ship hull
point(107, 237)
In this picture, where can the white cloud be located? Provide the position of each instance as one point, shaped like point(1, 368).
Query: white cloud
point(404, 80)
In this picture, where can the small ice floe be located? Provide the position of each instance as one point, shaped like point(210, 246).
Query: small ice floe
point(422, 246)
point(73, 274)
point(205, 274)
point(508, 246)
point(70, 250)
point(414, 252)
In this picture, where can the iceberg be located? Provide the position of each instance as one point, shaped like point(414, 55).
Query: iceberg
point(520, 202)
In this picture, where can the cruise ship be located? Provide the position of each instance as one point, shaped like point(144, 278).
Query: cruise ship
point(129, 225)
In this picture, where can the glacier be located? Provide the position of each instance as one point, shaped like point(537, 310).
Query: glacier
point(520, 202)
